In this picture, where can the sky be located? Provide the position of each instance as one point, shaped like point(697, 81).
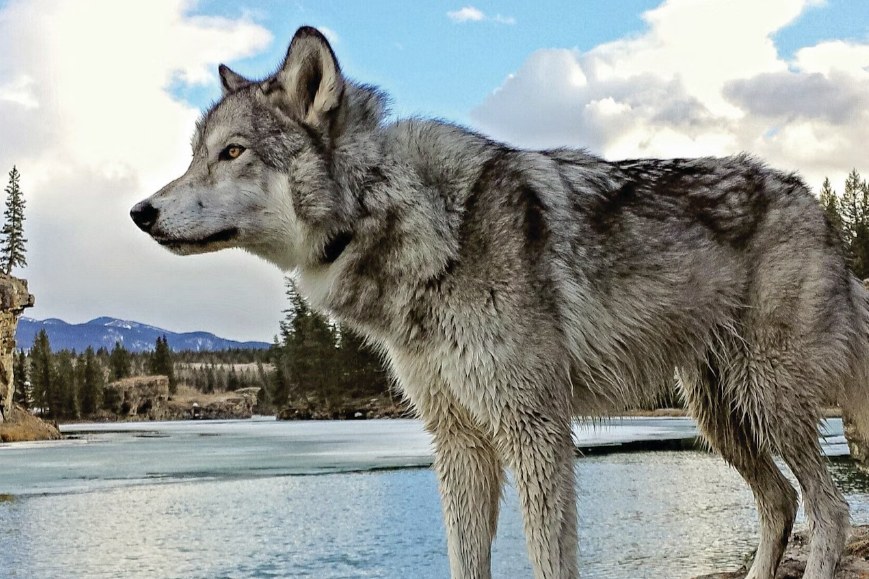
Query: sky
point(98, 99)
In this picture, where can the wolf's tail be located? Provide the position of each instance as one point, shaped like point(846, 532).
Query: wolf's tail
point(855, 392)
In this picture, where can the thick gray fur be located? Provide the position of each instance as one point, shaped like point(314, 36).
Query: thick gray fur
point(513, 290)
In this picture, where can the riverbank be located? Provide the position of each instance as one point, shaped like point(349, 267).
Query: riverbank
point(854, 563)
point(21, 426)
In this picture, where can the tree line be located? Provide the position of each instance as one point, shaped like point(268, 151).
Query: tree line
point(69, 385)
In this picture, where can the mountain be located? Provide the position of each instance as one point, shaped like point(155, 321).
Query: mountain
point(105, 331)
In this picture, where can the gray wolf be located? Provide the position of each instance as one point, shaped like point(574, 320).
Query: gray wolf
point(513, 290)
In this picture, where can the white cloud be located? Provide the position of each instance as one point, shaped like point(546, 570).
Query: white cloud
point(472, 14)
point(466, 14)
point(19, 91)
point(705, 78)
point(91, 126)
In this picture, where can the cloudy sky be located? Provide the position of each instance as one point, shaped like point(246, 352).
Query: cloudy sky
point(98, 100)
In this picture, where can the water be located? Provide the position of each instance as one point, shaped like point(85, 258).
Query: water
point(347, 499)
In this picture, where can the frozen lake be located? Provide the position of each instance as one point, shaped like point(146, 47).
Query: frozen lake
point(239, 499)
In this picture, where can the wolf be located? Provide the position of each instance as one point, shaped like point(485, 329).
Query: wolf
point(514, 290)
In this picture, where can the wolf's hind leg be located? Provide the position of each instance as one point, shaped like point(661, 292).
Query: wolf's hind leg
point(826, 509)
point(470, 477)
point(785, 389)
point(776, 499)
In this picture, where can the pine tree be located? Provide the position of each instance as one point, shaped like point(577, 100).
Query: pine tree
point(120, 362)
point(854, 209)
point(830, 203)
point(306, 356)
point(91, 382)
point(12, 247)
point(363, 373)
point(209, 379)
point(22, 386)
point(44, 396)
point(161, 362)
point(66, 386)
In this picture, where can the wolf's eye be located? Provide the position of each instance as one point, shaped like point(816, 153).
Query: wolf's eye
point(231, 152)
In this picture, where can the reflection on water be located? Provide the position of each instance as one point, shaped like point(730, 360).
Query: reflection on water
point(653, 514)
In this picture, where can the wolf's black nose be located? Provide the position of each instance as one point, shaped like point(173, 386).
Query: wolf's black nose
point(144, 215)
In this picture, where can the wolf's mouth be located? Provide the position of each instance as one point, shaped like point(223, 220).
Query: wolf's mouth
point(220, 237)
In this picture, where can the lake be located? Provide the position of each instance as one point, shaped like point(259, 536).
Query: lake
point(261, 498)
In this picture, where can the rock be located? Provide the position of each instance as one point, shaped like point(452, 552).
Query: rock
point(350, 409)
point(854, 563)
point(222, 406)
point(139, 397)
point(14, 298)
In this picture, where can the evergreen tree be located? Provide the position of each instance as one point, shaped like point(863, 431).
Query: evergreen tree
point(854, 210)
point(362, 371)
point(232, 380)
point(830, 203)
point(91, 382)
point(209, 379)
point(120, 362)
point(12, 248)
point(65, 386)
point(306, 357)
point(21, 395)
point(161, 363)
point(44, 396)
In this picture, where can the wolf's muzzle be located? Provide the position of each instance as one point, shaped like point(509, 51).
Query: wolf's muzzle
point(144, 215)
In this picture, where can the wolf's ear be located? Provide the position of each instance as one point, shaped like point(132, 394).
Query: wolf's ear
point(230, 81)
point(309, 84)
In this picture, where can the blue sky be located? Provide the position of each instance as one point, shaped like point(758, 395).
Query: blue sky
point(432, 65)
point(98, 99)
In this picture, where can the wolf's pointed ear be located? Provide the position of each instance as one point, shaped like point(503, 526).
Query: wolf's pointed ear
point(230, 81)
point(310, 78)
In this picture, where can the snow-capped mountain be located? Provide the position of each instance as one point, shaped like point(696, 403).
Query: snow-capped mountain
point(105, 331)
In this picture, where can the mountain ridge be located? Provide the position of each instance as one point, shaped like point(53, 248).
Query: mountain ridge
point(104, 331)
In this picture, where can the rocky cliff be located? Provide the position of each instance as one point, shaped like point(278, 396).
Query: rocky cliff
point(14, 297)
point(139, 397)
point(16, 424)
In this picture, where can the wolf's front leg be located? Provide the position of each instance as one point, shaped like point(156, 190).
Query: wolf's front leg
point(541, 453)
point(470, 476)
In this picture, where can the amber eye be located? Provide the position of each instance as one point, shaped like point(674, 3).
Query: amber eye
point(231, 152)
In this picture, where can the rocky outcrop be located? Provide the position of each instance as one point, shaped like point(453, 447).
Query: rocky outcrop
point(139, 397)
point(854, 563)
point(350, 409)
point(14, 298)
point(225, 406)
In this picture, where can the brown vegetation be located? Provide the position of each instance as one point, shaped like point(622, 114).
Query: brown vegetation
point(21, 426)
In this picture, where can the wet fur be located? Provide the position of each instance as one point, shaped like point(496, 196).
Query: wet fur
point(512, 290)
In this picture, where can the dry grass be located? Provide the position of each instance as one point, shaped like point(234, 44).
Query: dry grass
point(23, 426)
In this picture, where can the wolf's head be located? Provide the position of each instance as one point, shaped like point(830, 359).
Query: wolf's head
point(267, 173)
